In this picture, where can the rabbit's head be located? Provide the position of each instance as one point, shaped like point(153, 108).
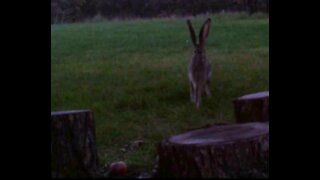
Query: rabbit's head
point(203, 36)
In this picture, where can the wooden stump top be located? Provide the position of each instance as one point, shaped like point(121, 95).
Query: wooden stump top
point(61, 113)
point(221, 134)
point(220, 151)
point(255, 95)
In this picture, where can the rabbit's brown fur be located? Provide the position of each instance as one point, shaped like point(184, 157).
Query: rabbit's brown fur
point(199, 70)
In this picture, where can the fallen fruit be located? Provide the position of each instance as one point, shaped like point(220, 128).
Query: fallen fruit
point(118, 168)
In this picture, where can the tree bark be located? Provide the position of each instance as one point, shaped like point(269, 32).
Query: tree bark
point(252, 107)
point(73, 149)
point(223, 151)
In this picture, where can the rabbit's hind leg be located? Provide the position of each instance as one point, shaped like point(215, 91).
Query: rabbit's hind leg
point(207, 90)
point(192, 94)
point(198, 93)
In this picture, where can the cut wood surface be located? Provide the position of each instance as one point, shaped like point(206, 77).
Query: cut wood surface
point(223, 151)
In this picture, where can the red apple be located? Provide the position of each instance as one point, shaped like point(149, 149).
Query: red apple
point(118, 168)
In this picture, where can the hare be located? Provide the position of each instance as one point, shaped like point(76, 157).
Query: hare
point(199, 70)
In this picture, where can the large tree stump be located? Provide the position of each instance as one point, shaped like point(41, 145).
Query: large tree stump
point(252, 107)
point(222, 151)
point(73, 149)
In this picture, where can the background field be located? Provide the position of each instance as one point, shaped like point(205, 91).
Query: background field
point(133, 76)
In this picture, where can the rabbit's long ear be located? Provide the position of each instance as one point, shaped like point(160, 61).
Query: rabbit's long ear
point(204, 32)
point(192, 34)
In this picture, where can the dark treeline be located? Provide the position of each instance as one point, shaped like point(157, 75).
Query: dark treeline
point(66, 11)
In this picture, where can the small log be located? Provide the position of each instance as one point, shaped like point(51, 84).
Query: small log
point(73, 149)
point(252, 107)
point(223, 151)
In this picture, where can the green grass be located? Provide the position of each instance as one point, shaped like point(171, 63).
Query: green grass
point(133, 76)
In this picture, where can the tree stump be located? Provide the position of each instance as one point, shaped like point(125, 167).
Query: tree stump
point(252, 107)
point(73, 149)
point(223, 151)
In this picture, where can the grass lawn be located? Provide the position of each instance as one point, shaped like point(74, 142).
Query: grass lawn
point(133, 76)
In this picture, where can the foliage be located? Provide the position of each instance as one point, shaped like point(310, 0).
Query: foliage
point(65, 11)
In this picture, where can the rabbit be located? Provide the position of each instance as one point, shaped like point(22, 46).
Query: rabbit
point(199, 69)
